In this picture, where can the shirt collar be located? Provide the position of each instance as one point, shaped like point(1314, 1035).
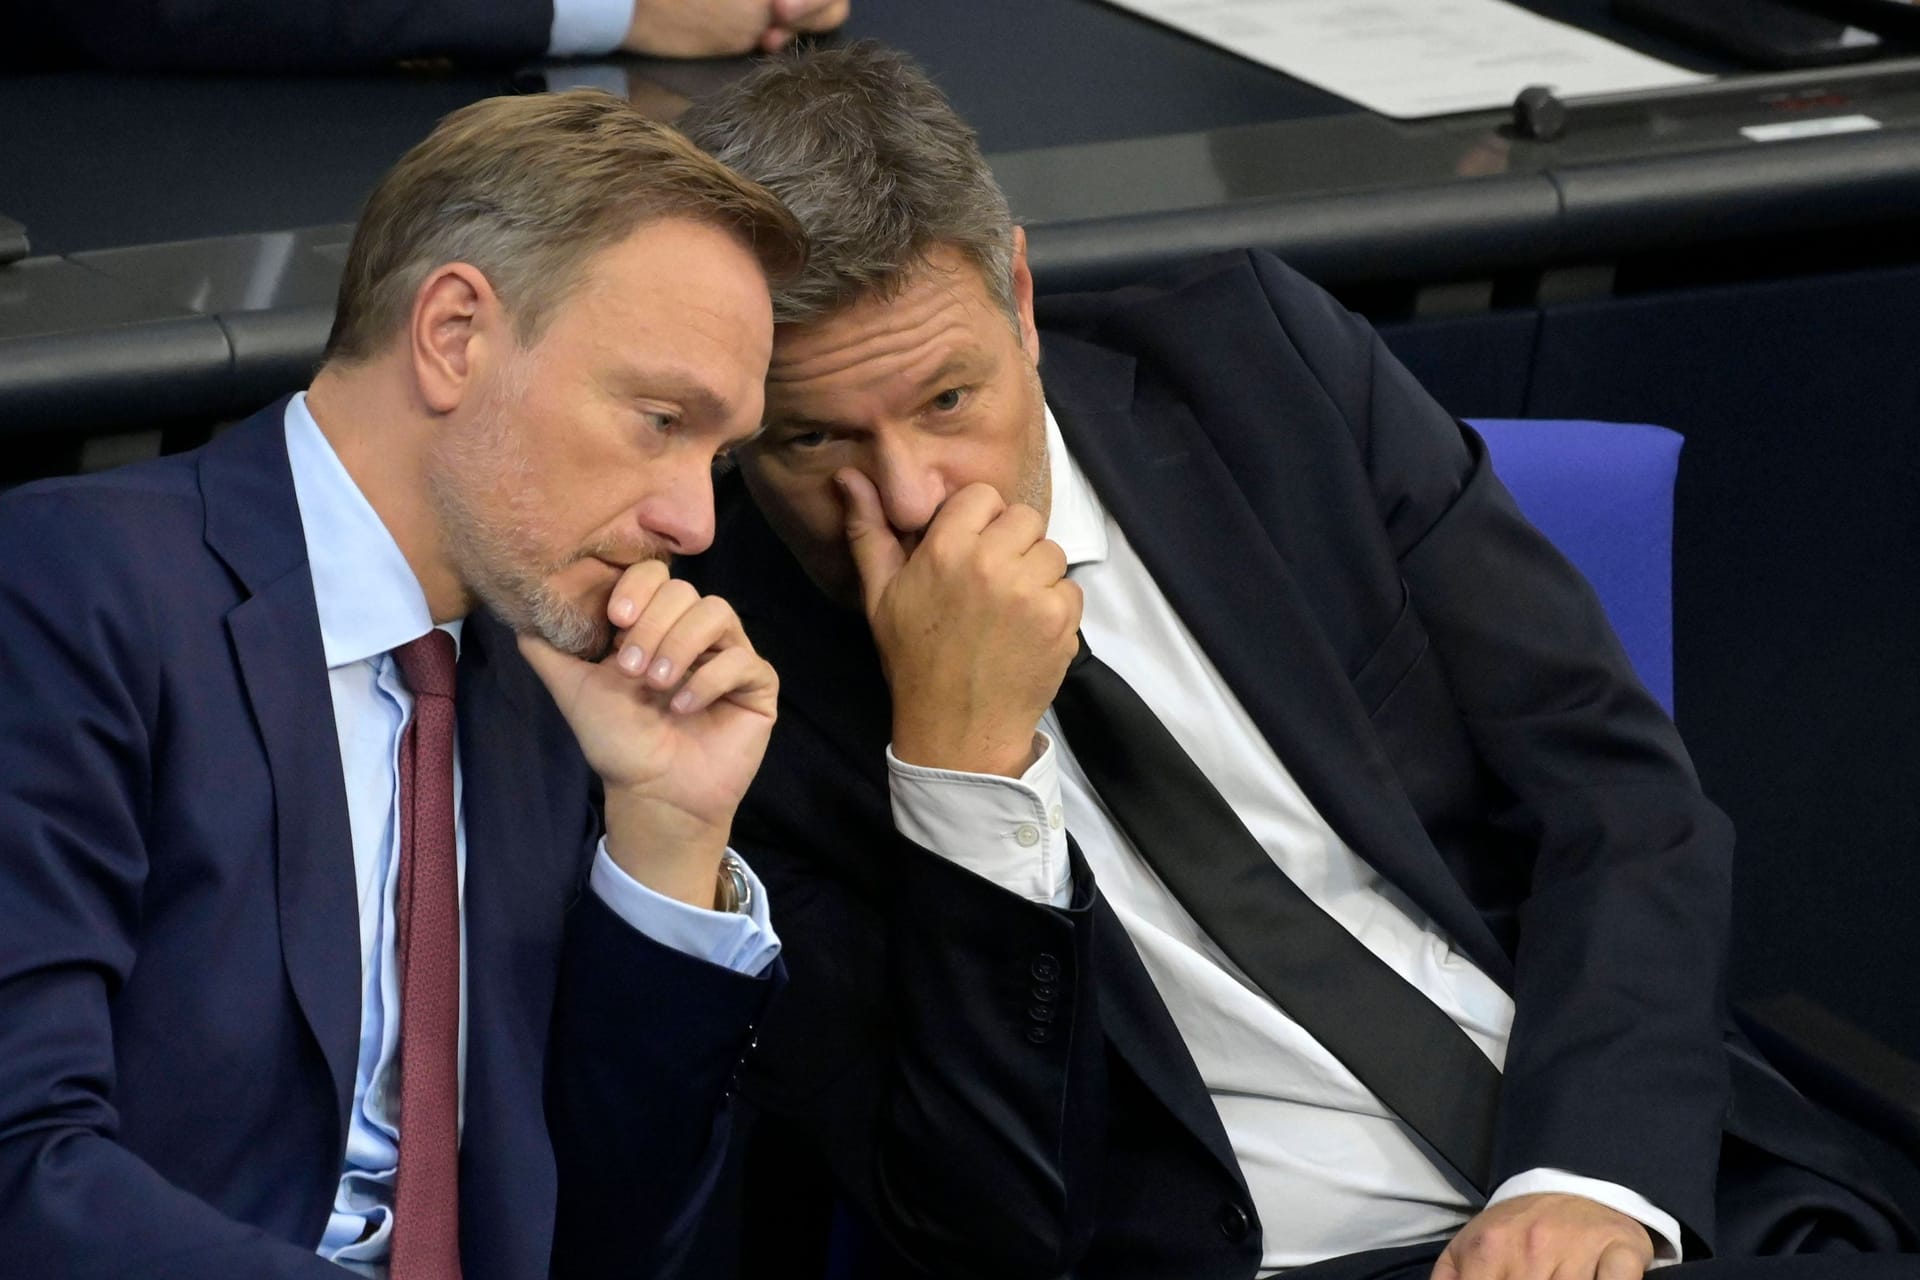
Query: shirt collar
point(363, 588)
point(1077, 520)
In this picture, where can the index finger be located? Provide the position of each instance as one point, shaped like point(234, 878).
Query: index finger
point(634, 589)
point(968, 510)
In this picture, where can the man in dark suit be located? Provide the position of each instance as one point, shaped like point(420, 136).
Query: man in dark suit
point(267, 35)
point(313, 946)
point(1216, 833)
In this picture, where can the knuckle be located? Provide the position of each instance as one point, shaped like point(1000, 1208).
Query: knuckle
point(1487, 1242)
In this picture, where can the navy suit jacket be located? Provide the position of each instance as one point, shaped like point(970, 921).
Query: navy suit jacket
point(269, 35)
point(1447, 692)
point(179, 945)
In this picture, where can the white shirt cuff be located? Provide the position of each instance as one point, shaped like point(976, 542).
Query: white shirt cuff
point(744, 943)
point(1011, 831)
point(1661, 1225)
point(588, 28)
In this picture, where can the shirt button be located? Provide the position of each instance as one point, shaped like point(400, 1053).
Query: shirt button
point(1028, 835)
point(1056, 819)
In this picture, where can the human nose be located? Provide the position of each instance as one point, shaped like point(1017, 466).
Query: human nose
point(682, 517)
point(911, 486)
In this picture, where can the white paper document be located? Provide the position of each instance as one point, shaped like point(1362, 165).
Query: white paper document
point(1415, 58)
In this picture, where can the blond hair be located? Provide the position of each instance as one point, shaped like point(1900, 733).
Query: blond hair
point(526, 190)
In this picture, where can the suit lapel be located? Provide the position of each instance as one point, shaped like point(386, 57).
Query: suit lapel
point(253, 524)
point(1141, 1030)
point(526, 838)
point(1159, 476)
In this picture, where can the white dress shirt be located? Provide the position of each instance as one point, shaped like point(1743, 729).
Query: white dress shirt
point(1330, 1169)
point(369, 603)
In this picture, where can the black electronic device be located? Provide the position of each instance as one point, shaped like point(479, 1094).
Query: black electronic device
point(13, 241)
point(1766, 33)
point(1898, 18)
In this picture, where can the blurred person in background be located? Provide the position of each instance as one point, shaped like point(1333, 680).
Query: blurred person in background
point(270, 35)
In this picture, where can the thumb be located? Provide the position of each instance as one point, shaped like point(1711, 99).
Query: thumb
point(877, 554)
point(561, 672)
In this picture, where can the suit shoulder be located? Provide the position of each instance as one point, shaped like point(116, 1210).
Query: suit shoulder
point(118, 525)
point(141, 487)
point(1245, 275)
point(1245, 316)
point(1247, 293)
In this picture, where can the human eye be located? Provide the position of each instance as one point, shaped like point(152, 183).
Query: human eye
point(804, 441)
point(949, 400)
point(660, 420)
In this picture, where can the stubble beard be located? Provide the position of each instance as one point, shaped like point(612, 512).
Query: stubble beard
point(499, 559)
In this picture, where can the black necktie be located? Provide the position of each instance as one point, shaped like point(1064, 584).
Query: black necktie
point(1380, 1026)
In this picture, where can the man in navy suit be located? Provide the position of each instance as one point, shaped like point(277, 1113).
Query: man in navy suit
point(1215, 833)
point(315, 947)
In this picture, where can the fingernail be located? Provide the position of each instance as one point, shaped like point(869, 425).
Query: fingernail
point(632, 659)
point(682, 700)
point(622, 611)
point(661, 670)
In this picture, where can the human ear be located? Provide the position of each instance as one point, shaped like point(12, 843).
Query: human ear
point(456, 318)
point(1023, 296)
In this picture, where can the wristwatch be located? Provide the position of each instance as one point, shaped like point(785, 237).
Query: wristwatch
point(735, 891)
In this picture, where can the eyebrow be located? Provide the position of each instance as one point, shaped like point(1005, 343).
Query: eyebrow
point(799, 423)
point(695, 398)
point(962, 363)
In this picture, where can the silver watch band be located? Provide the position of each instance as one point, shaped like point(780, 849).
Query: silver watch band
point(735, 892)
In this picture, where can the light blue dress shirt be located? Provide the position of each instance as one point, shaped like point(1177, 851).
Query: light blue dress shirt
point(369, 603)
point(588, 28)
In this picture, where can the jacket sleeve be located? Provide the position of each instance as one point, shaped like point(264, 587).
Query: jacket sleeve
point(263, 35)
point(1614, 1069)
point(75, 766)
point(643, 1065)
point(939, 1039)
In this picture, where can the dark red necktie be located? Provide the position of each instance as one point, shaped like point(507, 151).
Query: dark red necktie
point(426, 1196)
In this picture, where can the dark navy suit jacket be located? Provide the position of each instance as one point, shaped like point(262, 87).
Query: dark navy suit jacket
point(1447, 692)
point(179, 946)
point(269, 35)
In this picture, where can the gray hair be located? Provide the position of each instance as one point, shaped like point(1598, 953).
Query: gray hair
point(874, 162)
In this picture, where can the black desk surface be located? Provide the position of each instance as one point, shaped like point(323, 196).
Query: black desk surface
point(93, 160)
point(190, 229)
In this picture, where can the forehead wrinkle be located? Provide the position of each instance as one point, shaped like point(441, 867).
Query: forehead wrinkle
point(919, 317)
point(894, 383)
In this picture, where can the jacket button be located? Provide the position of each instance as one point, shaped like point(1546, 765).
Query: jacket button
point(1040, 1013)
point(1046, 993)
point(1233, 1222)
point(1045, 968)
point(1040, 1033)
